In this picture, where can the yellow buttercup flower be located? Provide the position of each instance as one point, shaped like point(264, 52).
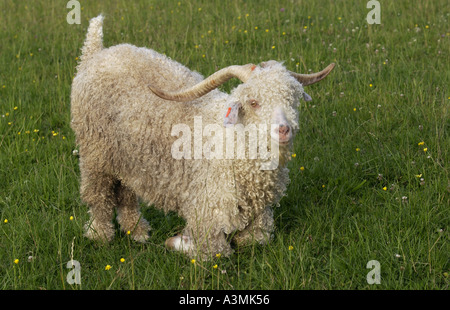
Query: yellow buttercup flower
point(108, 267)
point(290, 248)
point(215, 266)
point(16, 261)
point(425, 149)
point(122, 260)
point(385, 188)
point(421, 143)
point(302, 168)
point(193, 261)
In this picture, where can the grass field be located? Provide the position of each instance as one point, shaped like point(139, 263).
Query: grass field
point(370, 179)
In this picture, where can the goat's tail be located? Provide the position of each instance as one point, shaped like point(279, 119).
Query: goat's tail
point(94, 39)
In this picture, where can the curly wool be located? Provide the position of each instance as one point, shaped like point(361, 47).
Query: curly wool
point(124, 135)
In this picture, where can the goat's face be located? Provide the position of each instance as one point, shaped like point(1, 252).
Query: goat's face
point(270, 96)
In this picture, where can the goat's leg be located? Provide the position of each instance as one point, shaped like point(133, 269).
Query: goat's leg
point(97, 191)
point(128, 214)
point(259, 230)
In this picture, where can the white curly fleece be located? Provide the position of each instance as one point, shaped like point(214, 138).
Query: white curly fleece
point(124, 134)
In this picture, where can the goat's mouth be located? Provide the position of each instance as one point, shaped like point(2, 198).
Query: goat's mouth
point(282, 142)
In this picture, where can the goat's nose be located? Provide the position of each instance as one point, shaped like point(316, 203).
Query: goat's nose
point(283, 129)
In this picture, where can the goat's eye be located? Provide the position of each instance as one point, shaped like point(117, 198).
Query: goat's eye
point(253, 103)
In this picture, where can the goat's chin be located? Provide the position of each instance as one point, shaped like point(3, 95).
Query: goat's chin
point(282, 144)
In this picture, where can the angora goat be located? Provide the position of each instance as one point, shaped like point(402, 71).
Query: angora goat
point(125, 103)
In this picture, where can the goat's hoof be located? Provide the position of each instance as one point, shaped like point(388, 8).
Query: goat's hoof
point(179, 243)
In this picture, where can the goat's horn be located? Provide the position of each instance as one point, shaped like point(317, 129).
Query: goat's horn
point(207, 85)
point(308, 79)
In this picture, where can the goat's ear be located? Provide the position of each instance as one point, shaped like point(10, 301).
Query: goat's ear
point(306, 97)
point(232, 114)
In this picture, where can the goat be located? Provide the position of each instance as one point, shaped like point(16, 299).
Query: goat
point(125, 102)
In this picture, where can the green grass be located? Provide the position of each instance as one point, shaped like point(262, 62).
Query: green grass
point(359, 135)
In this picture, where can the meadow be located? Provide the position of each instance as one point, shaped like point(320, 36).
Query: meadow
point(369, 173)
